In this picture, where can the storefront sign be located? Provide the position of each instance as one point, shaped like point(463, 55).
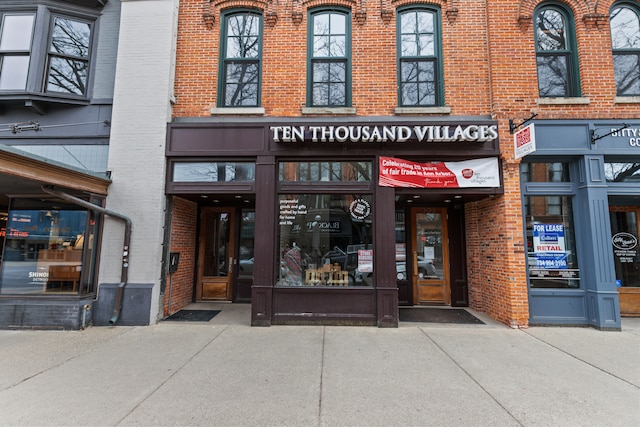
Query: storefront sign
point(548, 244)
point(385, 133)
point(365, 260)
point(470, 173)
point(524, 141)
point(625, 245)
point(630, 135)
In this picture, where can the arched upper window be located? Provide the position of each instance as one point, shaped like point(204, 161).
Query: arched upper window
point(419, 53)
point(240, 65)
point(556, 52)
point(329, 52)
point(625, 40)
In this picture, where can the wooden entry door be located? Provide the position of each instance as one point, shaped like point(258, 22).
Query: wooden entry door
point(430, 256)
point(216, 260)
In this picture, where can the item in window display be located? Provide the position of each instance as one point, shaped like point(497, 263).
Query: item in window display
point(293, 260)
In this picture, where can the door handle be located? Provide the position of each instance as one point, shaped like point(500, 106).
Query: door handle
point(230, 265)
point(415, 263)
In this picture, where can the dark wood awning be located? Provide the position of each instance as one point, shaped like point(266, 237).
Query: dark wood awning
point(24, 174)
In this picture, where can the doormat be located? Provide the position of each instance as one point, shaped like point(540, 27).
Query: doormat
point(438, 315)
point(193, 315)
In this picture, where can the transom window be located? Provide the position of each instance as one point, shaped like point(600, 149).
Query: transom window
point(241, 64)
point(325, 171)
point(48, 55)
point(418, 57)
point(556, 53)
point(625, 39)
point(330, 65)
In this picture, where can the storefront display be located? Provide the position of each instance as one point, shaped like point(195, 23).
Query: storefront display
point(45, 249)
point(336, 238)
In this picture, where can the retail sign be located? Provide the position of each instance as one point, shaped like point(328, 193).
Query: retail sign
point(624, 246)
point(470, 173)
point(385, 133)
point(524, 141)
point(548, 246)
point(365, 260)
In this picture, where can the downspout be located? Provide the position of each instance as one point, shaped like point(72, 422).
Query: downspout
point(125, 251)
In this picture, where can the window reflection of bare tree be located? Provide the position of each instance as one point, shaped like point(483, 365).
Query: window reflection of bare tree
point(552, 54)
point(417, 63)
point(68, 57)
point(621, 172)
point(330, 63)
point(625, 40)
point(242, 74)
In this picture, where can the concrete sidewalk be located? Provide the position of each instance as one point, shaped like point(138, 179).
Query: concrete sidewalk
point(226, 373)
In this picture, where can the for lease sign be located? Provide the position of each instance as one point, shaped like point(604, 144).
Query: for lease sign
point(548, 246)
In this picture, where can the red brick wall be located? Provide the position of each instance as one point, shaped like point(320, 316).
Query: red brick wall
point(180, 285)
point(489, 70)
point(495, 254)
point(373, 52)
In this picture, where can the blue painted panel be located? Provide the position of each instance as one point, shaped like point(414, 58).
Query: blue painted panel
point(556, 138)
point(557, 307)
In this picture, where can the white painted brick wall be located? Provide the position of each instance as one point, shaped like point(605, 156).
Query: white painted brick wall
point(107, 44)
point(141, 110)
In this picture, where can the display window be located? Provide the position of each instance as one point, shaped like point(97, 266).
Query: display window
point(551, 247)
point(325, 240)
point(44, 249)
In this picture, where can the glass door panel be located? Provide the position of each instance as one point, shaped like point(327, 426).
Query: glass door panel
point(430, 256)
point(216, 254)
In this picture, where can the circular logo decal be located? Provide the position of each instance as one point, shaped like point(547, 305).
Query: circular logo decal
point(624, 241)
point(360, 209)
point(467, 173)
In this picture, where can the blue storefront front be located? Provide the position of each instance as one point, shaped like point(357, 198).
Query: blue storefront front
point(581, 211)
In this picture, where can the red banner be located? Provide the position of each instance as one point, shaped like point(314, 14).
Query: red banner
point(470, 173)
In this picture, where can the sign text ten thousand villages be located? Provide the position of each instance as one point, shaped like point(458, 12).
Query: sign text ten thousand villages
point(392, 133)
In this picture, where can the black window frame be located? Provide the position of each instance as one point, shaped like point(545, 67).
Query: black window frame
point(45, 13)
point(435, 59)
point(628, 52)
point(313, 60)
point(569, 52)
point(227, 61)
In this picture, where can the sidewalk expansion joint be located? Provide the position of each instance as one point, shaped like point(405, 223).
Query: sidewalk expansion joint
point(63, 362)
point(324, 332)
point(573, 356)
point(470, 377)
point(175, 371)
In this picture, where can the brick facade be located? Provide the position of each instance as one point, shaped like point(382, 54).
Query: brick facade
point(179, 289)
point(489, 70)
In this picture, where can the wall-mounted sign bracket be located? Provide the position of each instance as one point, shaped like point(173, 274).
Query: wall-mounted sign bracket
point(513, 126)
point(595, 137)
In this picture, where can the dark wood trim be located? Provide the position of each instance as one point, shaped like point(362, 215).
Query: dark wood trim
point(458, 257)
point(265, 226)
point(48, 173)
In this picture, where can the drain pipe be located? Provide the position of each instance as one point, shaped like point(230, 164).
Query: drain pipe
point(117, 308)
